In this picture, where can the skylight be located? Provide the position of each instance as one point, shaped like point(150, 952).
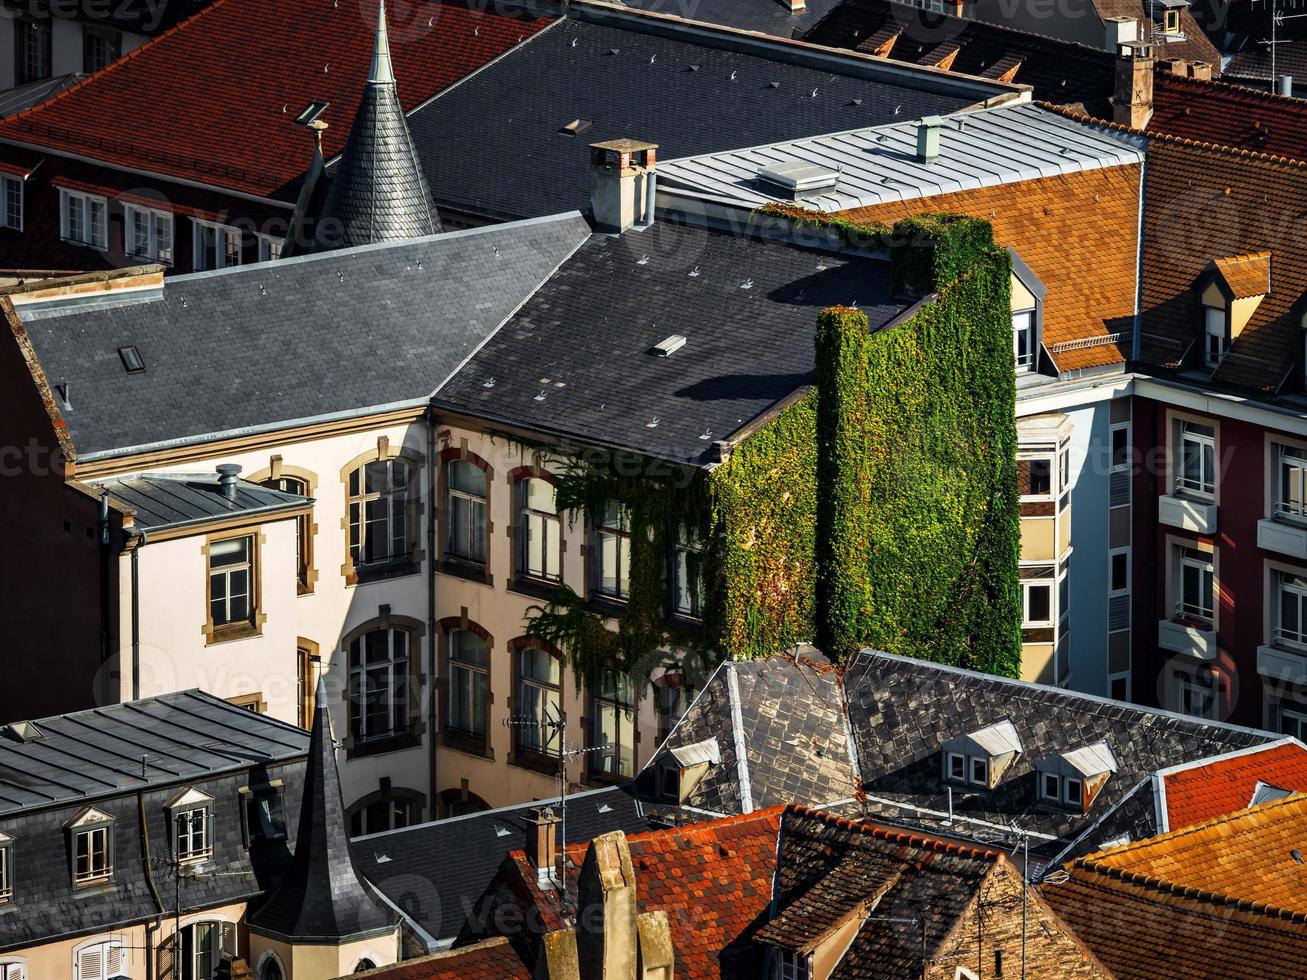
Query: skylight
point(132, 360)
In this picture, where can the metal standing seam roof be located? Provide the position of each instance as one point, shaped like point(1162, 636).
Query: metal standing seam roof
point(171, 500)
point(108, 750)
point(983, 148)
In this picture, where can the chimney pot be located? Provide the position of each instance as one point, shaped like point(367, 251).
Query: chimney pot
point(622, 183)
point(227, 477)
point(542, 841)
point(1284, 85)
point(1201, 70)
point(928, 138)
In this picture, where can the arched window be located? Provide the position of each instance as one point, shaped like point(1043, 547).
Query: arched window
point(270, 967)
point(380, 494)
point(303, 530)
point(539, 684)
point(389, 808)
point(460, 802)
point(465, 509)
point(202, 946)
point(104, 959)
point(364, 964)
point(539, 531)
point(379, 683)
point(469, 683)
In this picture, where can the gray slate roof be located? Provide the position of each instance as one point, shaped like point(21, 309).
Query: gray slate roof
point(311, 337)
point(1002, 145)
point(747, 15)
point(437, 871)
point(492, 146)
point(900, 713)
point(575, 359)
point(172, 500)
point(97, 753)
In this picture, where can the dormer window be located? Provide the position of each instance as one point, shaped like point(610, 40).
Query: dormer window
point(90, 840)
point(1215, 334)
point(1027, 315)
point(1023, 339)
point(683, 767)
point(1231, 290)
point(191, 815)
point(1072, 780)
point(980, 758)
point(6, 868)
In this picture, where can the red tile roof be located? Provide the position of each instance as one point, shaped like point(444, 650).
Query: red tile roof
point(1229, 115)
point(492, 959)
point(212, 99)
point(1205, 790)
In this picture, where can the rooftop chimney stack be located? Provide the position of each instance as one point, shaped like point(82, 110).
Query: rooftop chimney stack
point(1119, 31)
point(227, 478)
point(622, 184)
point(797, 6)
point(1201, 70)
point(928, 138)
point(542, 842)
point(1284, 85)
point(1132, 104)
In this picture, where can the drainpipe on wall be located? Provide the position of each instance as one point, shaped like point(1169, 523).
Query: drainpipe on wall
point(433, 674)
point(138, 542)
point(106, 644)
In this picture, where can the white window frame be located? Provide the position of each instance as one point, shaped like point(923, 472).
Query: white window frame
point(398, 671)
point(1187, 435)
point(98, 227)
point(791, 965)
point(540, 526)
point(93, 875)
point(226, 573)
point(155, 220)
point(1067, 783)
point(972, 762)
point(11, 189)
point(1216, 330)
point(1113, 429)
point(222, 236)
point(1187, 684)
point(13, 970)
point(1051, 461)
point(225, 941)
point(1024, 323)
point(1293, 470)
point(199, 846)
point(1044, 795)
point(1283, 582)
point(1204, 563)
point(1028, 585)
point(109, 968)
point(1113, 553)
point(6, 870)
point(949, 759)
point(268, 244)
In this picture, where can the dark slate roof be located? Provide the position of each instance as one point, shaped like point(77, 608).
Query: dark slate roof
point(88, 755)
point(320, 898)
point(767, 17)
point(747, 306)
point(627, 81)
point(34, 93)
point(378, 191)
point(437, 871)
point(311, 337)
point(901, 711)
point(172, 500)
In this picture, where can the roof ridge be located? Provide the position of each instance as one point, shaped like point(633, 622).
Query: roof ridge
point(904, 837)
point(701, 832)
point(1222, 83)
point(1171, 138)
point(118, 62)
point(1254, 814)
point(1189, 892)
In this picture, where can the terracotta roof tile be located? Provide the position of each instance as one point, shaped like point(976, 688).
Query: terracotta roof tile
point(1061, 226)
point(1229, 115)
point(1246, 275)
point(238, 72)
point(492, 959)
point(1226, 784)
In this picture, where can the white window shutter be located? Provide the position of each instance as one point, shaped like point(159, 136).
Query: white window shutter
point(90, 964)
point(115, 960)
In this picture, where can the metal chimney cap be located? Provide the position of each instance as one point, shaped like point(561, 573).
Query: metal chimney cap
point(227, 476)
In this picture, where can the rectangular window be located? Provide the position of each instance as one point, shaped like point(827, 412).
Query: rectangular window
point(1195, 696)
point(100, 47)
point(465, 500)
point(1121, 447)
point(539, 677)
point(791, 966)
point(539, 531)
point(1197, 469)
point(84, 219)
point(1118, 687)
point(147, 234)
point(6, 870)
point(957, 766)
point(379, 692)
point(192, 828)
point(1050, 787)
point(612, 553)
point(269, 248)
point(303, 531)
point(1291, 483)
point(1035, 478)
point(91, 857)
point(378, 500)
point(1197, 585)
point(673, 699)
point(1118, 571)
point(979, 770)
point(1037, 604)
point(230, 581)
point(1291, 719)
point(1291, 609)
point(612, 709)
point(469, 683)
point(687, 573)
point(1214, 335)
point(216, 246)
point(264, 816)
point(1075, 791)
point(32, 50)
point(11, 203)
point(1023, 339)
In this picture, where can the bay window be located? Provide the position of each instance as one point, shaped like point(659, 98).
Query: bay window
point(379, 684)
point(469, 684)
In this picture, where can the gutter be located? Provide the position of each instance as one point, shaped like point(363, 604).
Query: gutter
point(433, 698)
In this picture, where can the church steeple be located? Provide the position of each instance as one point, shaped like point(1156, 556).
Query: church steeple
point(321, 901)
point(378, 192)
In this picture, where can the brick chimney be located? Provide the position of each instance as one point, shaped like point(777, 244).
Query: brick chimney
point(1201, 70)
point(542, 842)
point(606, 938)
point(1132, 104)
point(622, 184)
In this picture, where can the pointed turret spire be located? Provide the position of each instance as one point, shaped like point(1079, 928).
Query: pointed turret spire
point(382, 72)
point(321, 900)
point(379, 192)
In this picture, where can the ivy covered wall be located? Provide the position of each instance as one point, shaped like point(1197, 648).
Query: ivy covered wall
point(880, 509)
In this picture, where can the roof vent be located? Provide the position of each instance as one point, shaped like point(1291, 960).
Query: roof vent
point(797, 180)
point(227, 478)
point(928, 138)
point(668, 346)
point(575, 126)
point(26, 731)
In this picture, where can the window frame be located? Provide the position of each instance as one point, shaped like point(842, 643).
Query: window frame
point(1067, 783)
point(1029, 585)
point(549, 747)
point(399, 710)
point(251, 624)
point(471, 504)
point(974, 761)
point(356, 570)
point(1280, 509)
point(1282, 580)
point(616, 524)
point(687, 543)
point(267, 244)
point(527, 518)
point(154, 217)
point(249, 797)
point(111, 38)
point(1220, 332)
point(227, 942)
point(393, 800)
point(602, 705)
point(792, 965)
point(1187, 435)
point(1295, 711)
point(1204, 564)
point(1188, 685)
point(1115, 429)
point(85, 203)
point(1046, 460)
point(223, 236)
point(305, 529)
point(1030, 330)
point(25, 29)
point(952, 761)
point(12, 189)
point(470, 671)
point(193, 854)
point(88, 824)
point(1113, 589)
point(1044, 777)
point(7, 849)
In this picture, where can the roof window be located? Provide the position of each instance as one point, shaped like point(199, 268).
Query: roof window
point(1072, 780)
point(981, 757)
point(133, 363)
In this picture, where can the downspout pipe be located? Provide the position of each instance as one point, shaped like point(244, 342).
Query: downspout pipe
point(106, 604)
point(139, 542)
point(433, 673)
